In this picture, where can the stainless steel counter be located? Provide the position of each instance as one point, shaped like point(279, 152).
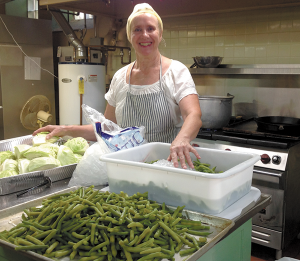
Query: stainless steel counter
point(10, 200)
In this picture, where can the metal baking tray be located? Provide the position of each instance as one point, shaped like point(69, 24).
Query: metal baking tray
point(27, 180)
point(218, 226)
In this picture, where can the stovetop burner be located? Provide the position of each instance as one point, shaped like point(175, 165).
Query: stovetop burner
point(246, 132)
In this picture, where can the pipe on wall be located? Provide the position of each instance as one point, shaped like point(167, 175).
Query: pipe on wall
point(80, 49)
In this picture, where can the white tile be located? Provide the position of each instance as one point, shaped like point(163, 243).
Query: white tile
point(209, 41)
point(229, 40)
point(239, 40)
point(183, 42)
point(284, 37)
point(183, 32)
point(284, 50)
point(219, 40)
point(239, 51)
point(260, 51)
point(262, 27)
point(295, 50)
point(249, 51)
point(174, 34)
point(272, 50)
point(219, 51)
point(192, 42)
point(228, 51)
point(174, 43)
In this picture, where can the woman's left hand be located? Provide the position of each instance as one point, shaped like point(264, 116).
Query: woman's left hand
point(181, 150)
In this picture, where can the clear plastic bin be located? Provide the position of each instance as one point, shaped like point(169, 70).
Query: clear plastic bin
point(198, 191)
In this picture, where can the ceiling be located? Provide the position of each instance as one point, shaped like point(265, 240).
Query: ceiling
point(122, 8)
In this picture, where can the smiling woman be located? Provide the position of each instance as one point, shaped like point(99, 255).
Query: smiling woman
point(153, 91)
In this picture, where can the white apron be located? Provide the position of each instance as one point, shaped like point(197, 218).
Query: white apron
point(151, 111)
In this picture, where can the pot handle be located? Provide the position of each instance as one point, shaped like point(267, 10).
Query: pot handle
point(230, 95)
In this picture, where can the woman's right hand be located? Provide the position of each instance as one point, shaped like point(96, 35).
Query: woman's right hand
point(55, 130)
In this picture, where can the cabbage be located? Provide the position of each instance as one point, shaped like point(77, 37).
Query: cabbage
point(66, 156)
point(23, 165)
point(20, 149)
point(43, 163)
point(6, 155)
point(78, 145)
point(10, 164)
point(39, 151)
point(8, 173)
point(78, 157)
point(53, 147)
point(40, 138)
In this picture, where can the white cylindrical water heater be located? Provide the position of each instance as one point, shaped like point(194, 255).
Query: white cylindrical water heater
point(92, 76)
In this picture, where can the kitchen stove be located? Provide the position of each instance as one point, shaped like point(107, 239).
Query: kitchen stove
point(276, 174)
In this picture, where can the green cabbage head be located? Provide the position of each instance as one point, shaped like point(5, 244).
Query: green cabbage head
point(6, 155)
point(8, 173)
point(20, 149)
point(10, 164)
point(43, 163)
point(78, 145)
point(39, 151)
point(66, 156)
point(40, 138)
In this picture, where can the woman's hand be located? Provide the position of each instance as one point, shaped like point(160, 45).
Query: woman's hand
point(181, 150)
point(55, 130)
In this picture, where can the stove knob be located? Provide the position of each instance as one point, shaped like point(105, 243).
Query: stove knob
point(265, 159)
point(276, 160)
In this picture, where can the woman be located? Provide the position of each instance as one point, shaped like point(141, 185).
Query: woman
point(153, 91)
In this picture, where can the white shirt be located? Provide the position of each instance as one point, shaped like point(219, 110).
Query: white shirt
point(177, 82)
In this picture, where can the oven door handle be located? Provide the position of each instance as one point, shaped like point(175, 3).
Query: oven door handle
point(268, 173)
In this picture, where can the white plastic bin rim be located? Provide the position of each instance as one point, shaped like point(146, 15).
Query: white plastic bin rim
point(113, 158)
point(287, 259)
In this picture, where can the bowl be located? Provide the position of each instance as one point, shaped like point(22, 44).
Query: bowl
point(208, 61)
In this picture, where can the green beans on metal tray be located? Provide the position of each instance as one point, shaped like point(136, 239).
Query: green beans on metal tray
point(93, 225)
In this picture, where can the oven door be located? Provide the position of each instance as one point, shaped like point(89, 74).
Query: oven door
point(270, 182)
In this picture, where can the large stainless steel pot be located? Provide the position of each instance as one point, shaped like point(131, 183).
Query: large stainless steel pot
point(216, 110)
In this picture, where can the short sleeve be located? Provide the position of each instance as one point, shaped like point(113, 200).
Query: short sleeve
point(180, 81)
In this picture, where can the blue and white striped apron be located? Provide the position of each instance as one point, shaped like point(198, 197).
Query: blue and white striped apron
point(151, 111)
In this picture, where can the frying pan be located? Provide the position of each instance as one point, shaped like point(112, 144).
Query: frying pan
point(279, 124)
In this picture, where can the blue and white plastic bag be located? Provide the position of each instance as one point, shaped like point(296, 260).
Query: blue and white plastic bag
point(115, 137)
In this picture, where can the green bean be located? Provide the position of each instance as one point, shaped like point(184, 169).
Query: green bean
point(198, 233)
point(22, 241)
point(151, 250)
point(52, 247)
point(170, 231)
point(61, 253)
point(32, 247)
point(34, 240)
point(50, 236)
point(81, 242)
point(141, 236)
point(151, 256)
point(187, 251)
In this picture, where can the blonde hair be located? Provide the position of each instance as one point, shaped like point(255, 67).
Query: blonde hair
point(142, 9)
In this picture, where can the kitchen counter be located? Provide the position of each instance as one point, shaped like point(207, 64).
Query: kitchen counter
point(242, 225)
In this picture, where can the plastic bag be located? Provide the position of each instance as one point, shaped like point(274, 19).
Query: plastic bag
point(90, 170)
point(112, 134)
point(110, 137)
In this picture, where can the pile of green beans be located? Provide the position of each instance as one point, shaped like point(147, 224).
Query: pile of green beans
point(204, 167)
point(97, 225)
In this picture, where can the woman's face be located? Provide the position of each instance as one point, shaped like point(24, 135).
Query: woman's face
point(145, 34)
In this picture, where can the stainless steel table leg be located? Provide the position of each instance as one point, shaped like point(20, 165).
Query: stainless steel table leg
point(278, 254)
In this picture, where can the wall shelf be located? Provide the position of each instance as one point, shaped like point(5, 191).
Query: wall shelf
point(287, 69)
